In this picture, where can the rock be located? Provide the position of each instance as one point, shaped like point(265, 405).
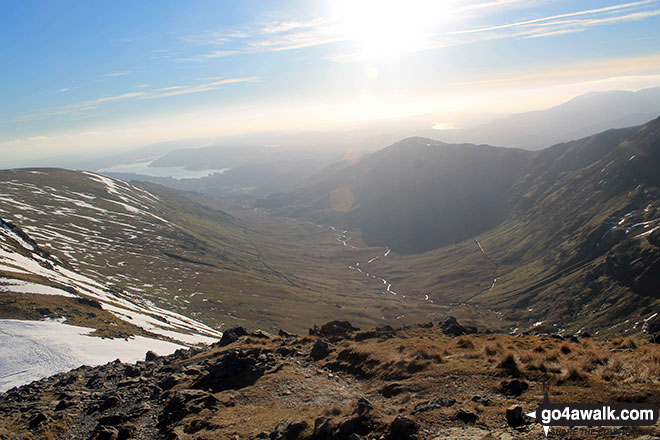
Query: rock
point(379, 332)
point(514, 416)
point(150, 356)
point(132, 371)
point(261, 334)
point(321, 350)
point(440, 402)
point(236, 369)
point(230, 336)
point(363, 406)
point(170, 381)
point(451, 327)
point(197, 425)
point(286, 334)
point(466, 416)
point(288, 430)
point(37, 420)
point(485, 401)
point(64, 404)
point(183, 403)
point(112, 420)
point(513, 387)
point(402, 428)
point(104, 432)
point(391, 390)
point(333, 328)
point(108, 402)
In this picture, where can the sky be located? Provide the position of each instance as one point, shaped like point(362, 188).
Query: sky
point(82, 77)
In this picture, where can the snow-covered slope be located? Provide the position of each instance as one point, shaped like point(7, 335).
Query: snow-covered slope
point(35, 280)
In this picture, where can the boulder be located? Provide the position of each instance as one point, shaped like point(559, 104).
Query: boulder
point(236, 369)
point(451, 327)
point(466, 416)
point(230, 336)
point(288, 430)
point(320, 350)
point(514, 416)
point(513, 387)
point(150, 356)
point(391, 390)
point(402, 428)
point(333, 328)
point(132, 371)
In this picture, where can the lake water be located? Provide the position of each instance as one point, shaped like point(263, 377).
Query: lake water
point(174, 172)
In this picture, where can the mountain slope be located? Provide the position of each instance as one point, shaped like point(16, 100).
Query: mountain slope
point(47, 292)
point(572, 240)
point(413, 196)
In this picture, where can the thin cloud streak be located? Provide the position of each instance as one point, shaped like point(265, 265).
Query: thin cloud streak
point(289, 34)
point(158, 93)
point(554, 17)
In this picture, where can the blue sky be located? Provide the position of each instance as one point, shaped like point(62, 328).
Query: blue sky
point(82, 76)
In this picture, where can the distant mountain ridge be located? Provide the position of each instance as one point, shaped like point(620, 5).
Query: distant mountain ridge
point(583, 115)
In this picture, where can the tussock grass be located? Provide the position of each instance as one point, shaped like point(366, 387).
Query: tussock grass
point(509, 364)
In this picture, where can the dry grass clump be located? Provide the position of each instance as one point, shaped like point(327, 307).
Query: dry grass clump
point(628, 344)
point(332, 411)
point(624, 344)
point(573, 373)
point(492, 350)
point(553, 356)
point(592, 360)
point(539, 349)
point(464, 343)
point(631, 368)
point(509, 364)
point(536, 363)
point(423, 354)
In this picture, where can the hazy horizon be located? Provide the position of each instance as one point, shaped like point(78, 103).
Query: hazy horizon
point(88, 80)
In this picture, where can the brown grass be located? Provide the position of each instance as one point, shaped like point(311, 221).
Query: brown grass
point(509, 364)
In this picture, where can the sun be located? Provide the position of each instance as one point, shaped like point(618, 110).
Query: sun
point(386, 28)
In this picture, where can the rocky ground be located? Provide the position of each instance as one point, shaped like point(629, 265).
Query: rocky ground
point(433, 381)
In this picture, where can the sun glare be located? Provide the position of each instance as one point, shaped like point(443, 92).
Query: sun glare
point(385, 28)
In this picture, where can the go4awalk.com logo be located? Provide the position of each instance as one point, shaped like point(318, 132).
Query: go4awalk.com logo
point(593, 414)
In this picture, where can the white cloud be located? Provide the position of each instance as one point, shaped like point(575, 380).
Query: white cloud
point(114, 74)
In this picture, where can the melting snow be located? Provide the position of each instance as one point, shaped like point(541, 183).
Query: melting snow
point(31, 350)
point(19, 286)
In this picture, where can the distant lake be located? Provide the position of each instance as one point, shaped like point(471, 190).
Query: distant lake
point(174, 172)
